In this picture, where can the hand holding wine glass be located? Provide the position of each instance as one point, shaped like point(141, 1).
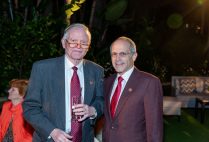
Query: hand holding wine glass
point(84, 111)
point(75, 101)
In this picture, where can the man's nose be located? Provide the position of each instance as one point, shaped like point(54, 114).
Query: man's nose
point(8, 90)
point(117, 56)
point(78, 45)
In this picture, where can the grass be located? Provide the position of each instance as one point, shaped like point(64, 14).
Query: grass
point(189, 129)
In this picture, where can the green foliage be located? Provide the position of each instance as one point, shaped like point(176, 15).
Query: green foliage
point(175, 21)
point(22, 43)
point(201, 70)
point(115, 9)
point(72, 6)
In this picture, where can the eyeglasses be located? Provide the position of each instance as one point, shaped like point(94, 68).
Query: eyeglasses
point(74, 44)
point(121, 54)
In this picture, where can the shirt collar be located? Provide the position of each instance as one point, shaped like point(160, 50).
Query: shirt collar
point(69, 64)
point(127, 74)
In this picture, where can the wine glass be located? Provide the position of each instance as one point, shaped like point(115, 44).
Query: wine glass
point(75, 100)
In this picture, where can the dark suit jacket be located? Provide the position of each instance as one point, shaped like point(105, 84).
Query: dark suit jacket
point(44, 105)
point(138, 116)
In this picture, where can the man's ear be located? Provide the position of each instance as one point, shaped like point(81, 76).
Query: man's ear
point(134, 56)
point(63, 43)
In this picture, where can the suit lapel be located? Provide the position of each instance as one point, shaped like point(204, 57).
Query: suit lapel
point(59, 74)
point(89, 83)
point(127, 92)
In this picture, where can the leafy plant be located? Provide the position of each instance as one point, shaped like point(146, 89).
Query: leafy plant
point(72, 6)
point(115, 9)
point(24, 40)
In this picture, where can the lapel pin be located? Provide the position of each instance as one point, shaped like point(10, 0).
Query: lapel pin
point(130, 89)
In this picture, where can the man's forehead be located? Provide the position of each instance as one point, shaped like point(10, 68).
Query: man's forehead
point(120, 44)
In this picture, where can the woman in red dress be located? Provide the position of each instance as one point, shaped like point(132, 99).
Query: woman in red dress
point(13, 127)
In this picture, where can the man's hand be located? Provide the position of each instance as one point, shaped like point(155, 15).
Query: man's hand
point(84, 111)
point(60, 136)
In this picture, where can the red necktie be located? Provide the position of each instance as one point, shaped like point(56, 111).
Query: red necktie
point(115, 96)
point(76, 127)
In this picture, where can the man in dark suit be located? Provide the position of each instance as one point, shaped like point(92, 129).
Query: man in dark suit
point(133, 99)
point(48, 104)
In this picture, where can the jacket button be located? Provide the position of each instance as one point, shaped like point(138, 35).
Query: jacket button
point(113, 127)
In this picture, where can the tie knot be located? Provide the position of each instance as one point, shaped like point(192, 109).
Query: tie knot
point(120, 79)
point(74, 68)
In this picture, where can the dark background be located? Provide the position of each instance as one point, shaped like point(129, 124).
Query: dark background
point(171, 35)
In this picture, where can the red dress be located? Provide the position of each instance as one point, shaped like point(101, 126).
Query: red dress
point(22, 131)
